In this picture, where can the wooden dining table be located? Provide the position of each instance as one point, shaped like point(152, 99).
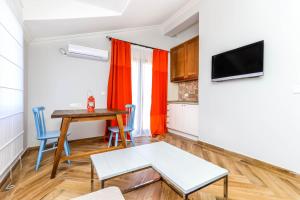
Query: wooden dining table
point(82, 115)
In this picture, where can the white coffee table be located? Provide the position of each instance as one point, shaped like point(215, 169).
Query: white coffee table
point(111, 193)
point(184, 172)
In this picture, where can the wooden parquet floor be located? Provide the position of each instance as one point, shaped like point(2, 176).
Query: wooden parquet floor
point(246, 181)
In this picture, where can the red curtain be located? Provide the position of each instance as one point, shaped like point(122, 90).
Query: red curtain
point(159, 92)
point(119, 83)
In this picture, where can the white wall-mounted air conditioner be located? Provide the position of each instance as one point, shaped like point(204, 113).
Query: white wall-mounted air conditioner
point(86, 52)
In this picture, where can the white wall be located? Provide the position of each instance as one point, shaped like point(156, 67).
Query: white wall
point(258, 117)
point(11, 88)
point(56, 81)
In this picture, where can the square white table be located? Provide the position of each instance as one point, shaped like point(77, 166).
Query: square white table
point(184, 172)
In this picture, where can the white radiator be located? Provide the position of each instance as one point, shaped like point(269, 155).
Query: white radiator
point(11, 89)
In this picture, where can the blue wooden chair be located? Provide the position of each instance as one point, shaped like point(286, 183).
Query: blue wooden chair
point(128, 129)
point(43, 135)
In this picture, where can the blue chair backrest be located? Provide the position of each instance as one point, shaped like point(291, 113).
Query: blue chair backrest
point(39, 119)
point(130, 117)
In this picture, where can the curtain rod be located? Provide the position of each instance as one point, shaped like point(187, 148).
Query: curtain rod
point(109, 38)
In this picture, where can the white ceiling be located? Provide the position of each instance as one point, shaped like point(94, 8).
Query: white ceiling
point(72, 9)
point(49, 18)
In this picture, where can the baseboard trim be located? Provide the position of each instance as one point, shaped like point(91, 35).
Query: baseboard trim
point(4, 181)
point(242, 158)
point(184, 135)
point(250, 161)
point(88, 139)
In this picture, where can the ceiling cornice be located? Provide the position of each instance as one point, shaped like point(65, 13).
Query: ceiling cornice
point(189, 10)
point(93, 34)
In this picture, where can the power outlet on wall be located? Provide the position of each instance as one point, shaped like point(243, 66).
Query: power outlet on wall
point(76, 105)
point(296, 89)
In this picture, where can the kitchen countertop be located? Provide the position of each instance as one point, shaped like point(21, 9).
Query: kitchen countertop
point(183, 102)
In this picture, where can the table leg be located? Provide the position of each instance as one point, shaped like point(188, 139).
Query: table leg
point(92, 172)
point(184, 196)
point(101, 184)
point(121, 127)
point(92, 176)
point(225, 187)
point(60, 145)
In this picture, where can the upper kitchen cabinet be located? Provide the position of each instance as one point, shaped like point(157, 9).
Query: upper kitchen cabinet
point(185, 61)
point(178, 63)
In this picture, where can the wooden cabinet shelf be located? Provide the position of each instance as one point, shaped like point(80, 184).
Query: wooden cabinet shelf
point(185, 61)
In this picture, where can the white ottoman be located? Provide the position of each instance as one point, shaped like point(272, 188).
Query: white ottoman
point(110, 193)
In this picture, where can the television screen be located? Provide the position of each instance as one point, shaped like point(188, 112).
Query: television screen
point(246, 61)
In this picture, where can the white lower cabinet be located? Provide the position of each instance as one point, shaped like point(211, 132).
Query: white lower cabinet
point(183, 118)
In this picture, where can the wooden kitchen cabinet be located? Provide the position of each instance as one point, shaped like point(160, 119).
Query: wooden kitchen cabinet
point(192, 59)
point(185, 61)
point(178, 60)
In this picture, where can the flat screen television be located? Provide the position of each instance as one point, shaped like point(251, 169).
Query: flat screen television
point(243, 62)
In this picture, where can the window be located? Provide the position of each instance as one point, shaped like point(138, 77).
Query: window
point(141, 77)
